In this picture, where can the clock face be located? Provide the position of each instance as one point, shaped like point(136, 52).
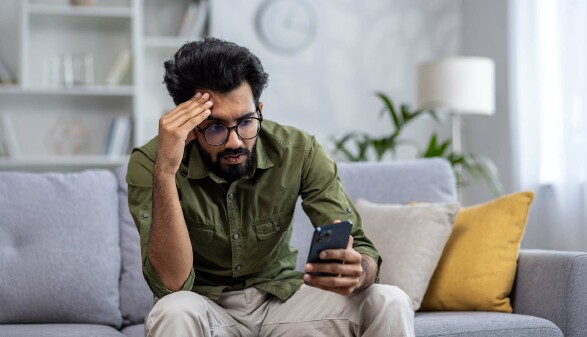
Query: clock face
point(287, 26)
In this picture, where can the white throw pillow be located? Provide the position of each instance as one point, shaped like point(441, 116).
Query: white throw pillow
point(410, 240)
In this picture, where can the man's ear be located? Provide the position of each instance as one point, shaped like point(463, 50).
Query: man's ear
point(260, 106)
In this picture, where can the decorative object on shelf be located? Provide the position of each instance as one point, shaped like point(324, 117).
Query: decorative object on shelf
point(361, 146)
point(82, 2)
point(459, 85)
point(68, 136)
point(194, 19)
point(286, 26)
point(120, 68)
point(118, 138)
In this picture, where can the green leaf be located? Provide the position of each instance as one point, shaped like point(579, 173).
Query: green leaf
point(390, 109)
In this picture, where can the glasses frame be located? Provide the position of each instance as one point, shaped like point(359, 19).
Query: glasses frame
point(230, 128)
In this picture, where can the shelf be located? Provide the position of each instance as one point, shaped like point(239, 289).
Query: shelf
point(169, 41)
point(93, 90)
point(95, 11)
point(60, 162)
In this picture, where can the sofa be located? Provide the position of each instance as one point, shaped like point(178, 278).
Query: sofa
point(70, 258)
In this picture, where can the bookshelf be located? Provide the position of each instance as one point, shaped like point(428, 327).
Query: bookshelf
point(63, 107)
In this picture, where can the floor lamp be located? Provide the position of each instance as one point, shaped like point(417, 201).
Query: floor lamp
point(457, 85)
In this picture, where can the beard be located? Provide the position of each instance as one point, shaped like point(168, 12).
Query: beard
point(230, 172)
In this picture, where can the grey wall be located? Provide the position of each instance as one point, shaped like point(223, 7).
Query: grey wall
point(485, 33)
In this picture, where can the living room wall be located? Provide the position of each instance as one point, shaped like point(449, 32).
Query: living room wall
point(327, 86)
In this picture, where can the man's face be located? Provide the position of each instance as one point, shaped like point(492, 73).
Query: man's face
point(235, 158)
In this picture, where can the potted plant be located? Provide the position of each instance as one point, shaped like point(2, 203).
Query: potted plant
point(358, 147)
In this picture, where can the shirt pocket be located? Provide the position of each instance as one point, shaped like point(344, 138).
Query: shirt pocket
point(269, 238)
point(201, 236)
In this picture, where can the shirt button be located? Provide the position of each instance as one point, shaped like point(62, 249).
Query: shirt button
point(349, 210)
point(235, 236)
point(145, 215)
point(278, 228)
point(229, 195)
point(237, 268)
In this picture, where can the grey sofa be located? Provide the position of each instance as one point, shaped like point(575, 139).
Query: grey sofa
point(70, 262)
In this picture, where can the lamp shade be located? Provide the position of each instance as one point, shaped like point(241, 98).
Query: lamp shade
point(458, 84)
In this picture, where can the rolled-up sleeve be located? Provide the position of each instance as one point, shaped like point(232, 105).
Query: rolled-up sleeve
point(139, 178)
point(324, 199)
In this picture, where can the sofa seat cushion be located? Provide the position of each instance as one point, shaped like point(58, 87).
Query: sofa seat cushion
point(486, 324)
point(58, 330)
point(136, 330)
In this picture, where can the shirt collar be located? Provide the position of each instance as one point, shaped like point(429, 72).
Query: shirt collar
point(197, 169)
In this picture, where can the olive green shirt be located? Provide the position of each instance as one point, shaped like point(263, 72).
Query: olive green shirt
point(240, 232)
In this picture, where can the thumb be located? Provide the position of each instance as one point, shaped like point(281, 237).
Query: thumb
point(350, 244)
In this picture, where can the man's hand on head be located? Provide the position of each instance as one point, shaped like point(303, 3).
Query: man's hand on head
point(176, 129)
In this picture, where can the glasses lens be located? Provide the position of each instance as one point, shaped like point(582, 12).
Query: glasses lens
point(248, 128)
point(215, 134)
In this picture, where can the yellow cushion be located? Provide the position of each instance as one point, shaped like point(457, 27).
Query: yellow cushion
point(478, 264)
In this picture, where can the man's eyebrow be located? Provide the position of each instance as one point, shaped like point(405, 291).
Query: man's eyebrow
point(246, 115)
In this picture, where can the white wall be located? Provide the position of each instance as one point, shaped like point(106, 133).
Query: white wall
point(360, 47)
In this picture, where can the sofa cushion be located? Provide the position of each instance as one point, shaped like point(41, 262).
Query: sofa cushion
point(478, 265)
point(59, 248)
point(137, 330)
point(136, 299)
point(58, 330)
point(482, 324)
point(410, 240)
point(392, 182)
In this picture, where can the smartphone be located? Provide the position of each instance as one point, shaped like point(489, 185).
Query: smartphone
point(333, 236)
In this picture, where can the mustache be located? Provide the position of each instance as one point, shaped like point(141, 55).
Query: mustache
point(234, 152)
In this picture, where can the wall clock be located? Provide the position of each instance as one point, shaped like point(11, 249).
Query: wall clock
point(286, 26)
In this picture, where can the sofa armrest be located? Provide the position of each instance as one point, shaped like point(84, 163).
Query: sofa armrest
point(553, 285)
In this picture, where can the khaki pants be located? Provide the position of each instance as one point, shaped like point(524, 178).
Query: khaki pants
point(378, 311)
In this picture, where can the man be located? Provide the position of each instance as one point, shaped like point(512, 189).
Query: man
point(213, 197)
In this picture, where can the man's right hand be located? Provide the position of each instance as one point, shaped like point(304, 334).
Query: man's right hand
point(176, 129)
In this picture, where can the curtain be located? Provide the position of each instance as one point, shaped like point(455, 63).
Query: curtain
point(549, 109)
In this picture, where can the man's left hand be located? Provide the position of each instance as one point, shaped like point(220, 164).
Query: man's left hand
point(349, 274)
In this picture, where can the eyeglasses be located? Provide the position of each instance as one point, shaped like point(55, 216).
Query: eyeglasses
point(247, 128)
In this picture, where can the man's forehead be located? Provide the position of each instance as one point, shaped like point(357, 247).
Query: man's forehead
point(232, 118)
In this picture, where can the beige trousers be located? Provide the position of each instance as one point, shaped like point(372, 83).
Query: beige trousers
point(378, 311)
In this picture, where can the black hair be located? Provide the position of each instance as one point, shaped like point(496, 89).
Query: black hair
point(214, 64)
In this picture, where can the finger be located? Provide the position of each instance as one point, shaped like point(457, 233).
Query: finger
point(348, 255)
point(193, 120)
point(198, 99)
point(336, 221)
point(184, 115)
point(187, 112)
point(332, 281)
point(352, 270)
point(350, 244)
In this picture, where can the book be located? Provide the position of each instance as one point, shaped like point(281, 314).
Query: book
point(189, 17)
point(118, 136)
point(9, 136)
point(120, 68)
point(5, 75)
point(194, 19)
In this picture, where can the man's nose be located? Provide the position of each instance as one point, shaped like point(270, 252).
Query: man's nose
point(234, 141)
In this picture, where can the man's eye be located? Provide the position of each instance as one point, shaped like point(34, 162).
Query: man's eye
point(246, 122)
point(215, 127)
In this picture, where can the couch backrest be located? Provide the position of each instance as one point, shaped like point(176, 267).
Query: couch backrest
point(59, 248)
point(399, 182)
